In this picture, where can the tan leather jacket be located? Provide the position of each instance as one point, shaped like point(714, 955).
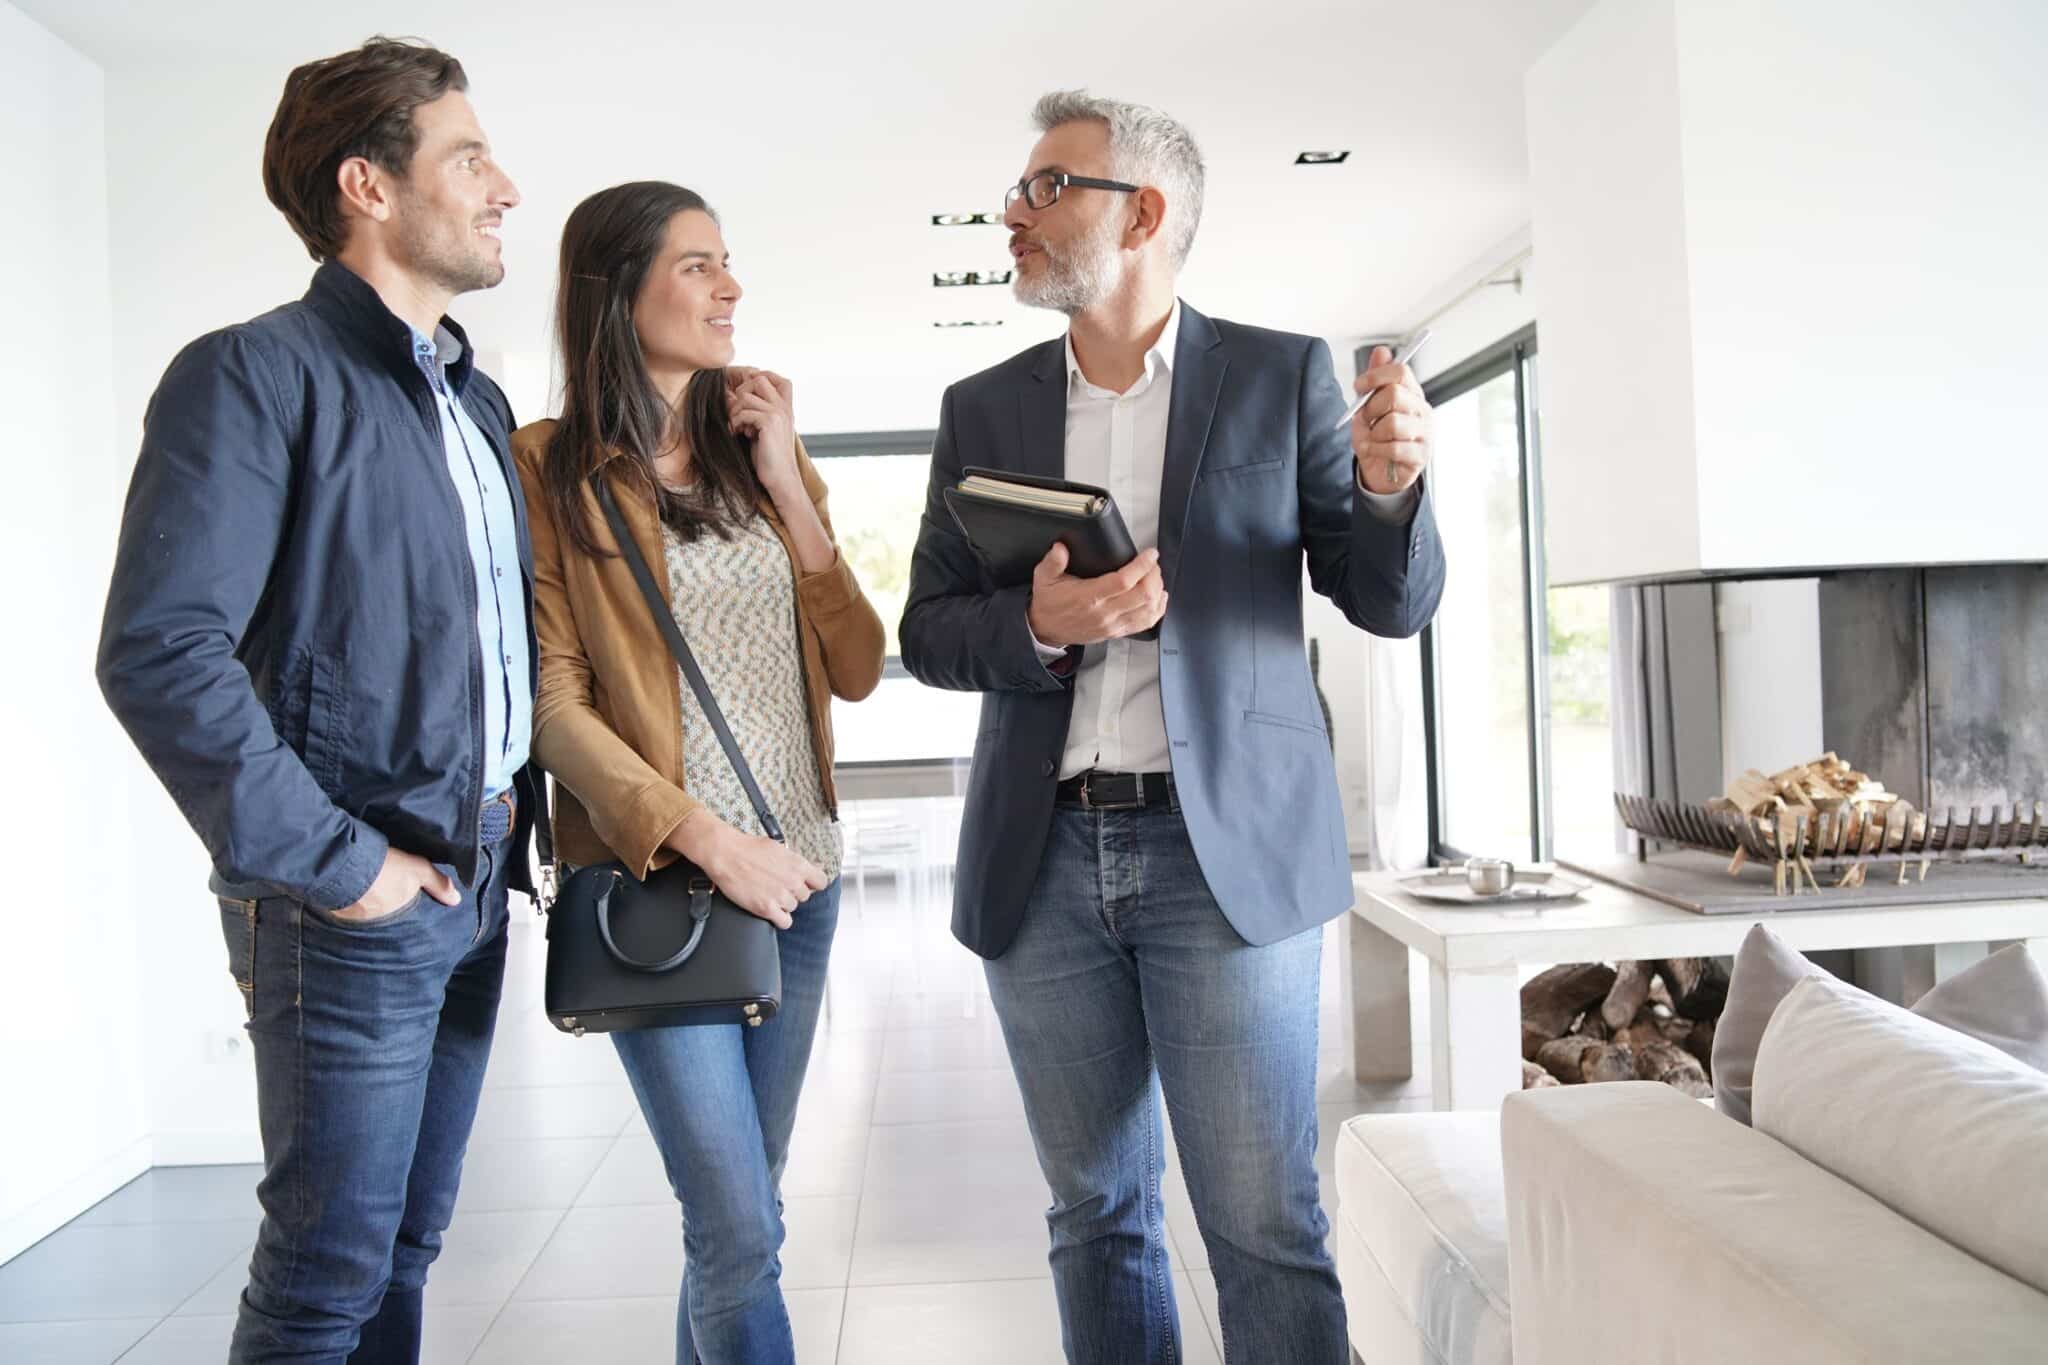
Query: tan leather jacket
point(608, 721)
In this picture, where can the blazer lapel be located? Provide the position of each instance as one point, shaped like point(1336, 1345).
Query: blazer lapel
point(1042, 415)
point(1198, 366)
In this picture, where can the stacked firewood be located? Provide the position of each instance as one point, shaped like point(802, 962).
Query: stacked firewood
point(1879, 821)
point(1645, 1020)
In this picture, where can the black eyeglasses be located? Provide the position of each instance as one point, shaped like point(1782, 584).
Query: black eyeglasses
point(1042, 191)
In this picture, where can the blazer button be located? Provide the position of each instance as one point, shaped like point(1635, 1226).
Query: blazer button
point(1046, 769)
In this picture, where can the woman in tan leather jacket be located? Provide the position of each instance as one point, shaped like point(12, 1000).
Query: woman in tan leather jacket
point(730, 514)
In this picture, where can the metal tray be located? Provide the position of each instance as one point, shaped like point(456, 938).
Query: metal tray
point(1533, 885)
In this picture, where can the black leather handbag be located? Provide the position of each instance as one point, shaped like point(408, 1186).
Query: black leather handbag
point(627, 954)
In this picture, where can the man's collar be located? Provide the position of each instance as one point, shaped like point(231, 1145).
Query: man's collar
point(1161, 350)
point(348, 300)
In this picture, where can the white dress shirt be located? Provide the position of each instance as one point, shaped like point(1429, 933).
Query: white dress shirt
point(1117, 441)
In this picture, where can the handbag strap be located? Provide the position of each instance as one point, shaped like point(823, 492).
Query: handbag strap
point(678, 646)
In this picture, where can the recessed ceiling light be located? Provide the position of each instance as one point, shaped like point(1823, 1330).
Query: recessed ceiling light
point(964, 219)
point(1321, 158)
point(966, 322)
point(953, 279)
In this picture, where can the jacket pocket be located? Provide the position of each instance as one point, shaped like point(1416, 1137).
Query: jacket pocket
point(1232, 471)
point(326, 721)
point(1286, 722)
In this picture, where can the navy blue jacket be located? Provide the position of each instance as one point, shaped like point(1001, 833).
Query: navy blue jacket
point(291, 633)
point(1258, 478)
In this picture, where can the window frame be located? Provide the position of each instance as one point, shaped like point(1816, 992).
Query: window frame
point(1513, 354)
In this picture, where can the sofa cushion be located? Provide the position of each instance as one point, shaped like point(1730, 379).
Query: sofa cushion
point(1940, 1127)
point(2002, 1000)
point(1644, 1227)
point(1765, 972)
point(1420, 1202)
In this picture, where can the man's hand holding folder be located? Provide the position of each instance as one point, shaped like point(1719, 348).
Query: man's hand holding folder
point(1070, 543)
point(1066, 610)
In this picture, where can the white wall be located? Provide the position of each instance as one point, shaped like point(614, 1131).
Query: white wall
point(168, 287)
point(1607, 198)
point(1865, 208)
point(1797, 287)
point(71, 1063)
point(1769, 636)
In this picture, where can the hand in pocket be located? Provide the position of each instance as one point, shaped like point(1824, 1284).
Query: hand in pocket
point(403, 879)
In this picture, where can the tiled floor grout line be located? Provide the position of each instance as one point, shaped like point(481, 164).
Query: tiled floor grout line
point(617, 1138)
point(867, 1154)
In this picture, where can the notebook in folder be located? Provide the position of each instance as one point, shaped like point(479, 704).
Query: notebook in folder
point(1011, 520)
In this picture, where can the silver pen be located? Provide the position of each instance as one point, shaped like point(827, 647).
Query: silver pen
point(1401, 359)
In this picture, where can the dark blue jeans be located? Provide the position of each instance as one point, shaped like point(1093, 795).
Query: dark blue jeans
point(721, 1102)
point(370, 1044)
point(1126, 982)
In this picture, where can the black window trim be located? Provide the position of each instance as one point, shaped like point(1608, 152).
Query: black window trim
point(1510, 355)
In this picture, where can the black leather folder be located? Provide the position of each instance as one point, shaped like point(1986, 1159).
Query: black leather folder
point(1011, 520)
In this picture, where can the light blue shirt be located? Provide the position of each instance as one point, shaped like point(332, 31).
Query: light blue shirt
point(493, 532)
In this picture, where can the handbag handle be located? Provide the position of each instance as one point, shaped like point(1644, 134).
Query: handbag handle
point(700, 913)
point(665, 620)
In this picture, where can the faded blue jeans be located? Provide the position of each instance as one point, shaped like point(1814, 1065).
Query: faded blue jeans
point(1124, 972)
point(721, 1101)
point(370, 1044)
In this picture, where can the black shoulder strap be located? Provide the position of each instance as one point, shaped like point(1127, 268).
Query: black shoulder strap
point(680, 647)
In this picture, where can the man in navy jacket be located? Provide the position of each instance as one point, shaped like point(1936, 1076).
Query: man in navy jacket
point(1152, 836)
point(318, 634)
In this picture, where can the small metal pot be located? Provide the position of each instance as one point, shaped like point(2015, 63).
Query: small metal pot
point(1489, 876)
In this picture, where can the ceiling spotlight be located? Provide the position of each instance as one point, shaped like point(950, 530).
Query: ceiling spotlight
point(965, 322)
point(1321, 158)
point(965, 219)
point(953, 279)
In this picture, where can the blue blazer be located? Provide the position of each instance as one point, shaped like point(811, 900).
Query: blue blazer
point(1257, 476)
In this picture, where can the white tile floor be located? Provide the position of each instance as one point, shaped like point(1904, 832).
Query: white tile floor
point(915, 1207)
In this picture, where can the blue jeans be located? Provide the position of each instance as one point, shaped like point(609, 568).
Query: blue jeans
point(370, 1043)
point(720, 1101)
point(1124, 982)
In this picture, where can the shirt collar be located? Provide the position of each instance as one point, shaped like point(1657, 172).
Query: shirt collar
point(1158, 359)
point(444, 353)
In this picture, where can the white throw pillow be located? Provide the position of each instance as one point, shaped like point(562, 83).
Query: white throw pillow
point(1940, 1127)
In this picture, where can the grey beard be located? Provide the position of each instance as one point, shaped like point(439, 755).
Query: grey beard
point(1075, 279)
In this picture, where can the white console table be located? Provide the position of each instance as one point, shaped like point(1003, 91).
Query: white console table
point(1476, 955)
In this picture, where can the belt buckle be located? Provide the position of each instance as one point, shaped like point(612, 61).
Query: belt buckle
point(1134, 801)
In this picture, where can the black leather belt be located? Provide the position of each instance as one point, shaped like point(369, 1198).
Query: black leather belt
point(1094, 790)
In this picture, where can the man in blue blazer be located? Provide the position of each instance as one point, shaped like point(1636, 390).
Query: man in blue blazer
point(1153, 835)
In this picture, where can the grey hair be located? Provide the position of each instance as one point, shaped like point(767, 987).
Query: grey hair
point(1146, 147)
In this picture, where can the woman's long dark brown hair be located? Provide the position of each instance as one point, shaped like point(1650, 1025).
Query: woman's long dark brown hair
point(609, 403)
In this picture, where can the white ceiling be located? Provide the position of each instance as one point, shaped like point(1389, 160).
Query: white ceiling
point(827, 135)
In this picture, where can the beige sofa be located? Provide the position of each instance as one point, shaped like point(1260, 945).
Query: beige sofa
point(1891, 1208)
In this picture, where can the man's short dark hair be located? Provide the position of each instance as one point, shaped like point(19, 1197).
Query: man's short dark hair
point(359, 103)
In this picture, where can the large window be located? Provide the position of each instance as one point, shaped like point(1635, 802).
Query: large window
point(877, 501)
point(1515, 687)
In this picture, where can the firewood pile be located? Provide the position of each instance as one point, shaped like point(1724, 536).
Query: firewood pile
point(1634, 1021)
point(1827, 814)
point(1787, 805)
